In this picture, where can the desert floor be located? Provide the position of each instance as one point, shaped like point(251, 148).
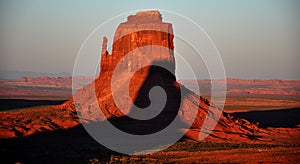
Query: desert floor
point(277, 114)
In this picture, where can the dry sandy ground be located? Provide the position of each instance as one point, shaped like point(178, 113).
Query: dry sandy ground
point(53, 135)
point(48, 134)
point(74, 145)
point(244, 155)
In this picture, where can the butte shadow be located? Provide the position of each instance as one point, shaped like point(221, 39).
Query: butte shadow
point(157, 77)
point(285, 118)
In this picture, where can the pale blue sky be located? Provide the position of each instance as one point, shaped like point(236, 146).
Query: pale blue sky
point(256, 39)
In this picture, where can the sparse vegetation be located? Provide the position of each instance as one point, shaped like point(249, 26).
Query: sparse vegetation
point(193, 146)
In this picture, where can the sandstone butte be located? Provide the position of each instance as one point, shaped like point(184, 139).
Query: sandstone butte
point(142, 30)
point(145, 29)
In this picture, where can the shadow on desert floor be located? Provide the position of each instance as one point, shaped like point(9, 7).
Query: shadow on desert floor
point(11, 104)
point(75, 145)
point(285, 118)
point(72, 145)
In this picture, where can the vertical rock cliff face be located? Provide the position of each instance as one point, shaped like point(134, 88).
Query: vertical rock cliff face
point(142, 29)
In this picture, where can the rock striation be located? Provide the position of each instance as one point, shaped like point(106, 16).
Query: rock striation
point(142, 29)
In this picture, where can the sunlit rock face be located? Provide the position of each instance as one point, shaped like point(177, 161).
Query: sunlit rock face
point(142, 29)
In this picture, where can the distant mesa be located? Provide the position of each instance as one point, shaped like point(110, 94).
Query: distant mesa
point(16, 75)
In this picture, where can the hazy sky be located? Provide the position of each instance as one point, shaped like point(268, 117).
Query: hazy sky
point(256, 39)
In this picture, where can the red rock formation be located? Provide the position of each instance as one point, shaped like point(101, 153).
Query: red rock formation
point(140, 30)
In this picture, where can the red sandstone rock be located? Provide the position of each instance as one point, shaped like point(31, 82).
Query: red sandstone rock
point(131, 36)
point(142, 29)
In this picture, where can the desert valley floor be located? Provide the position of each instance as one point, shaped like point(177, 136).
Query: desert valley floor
point(35, 128)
